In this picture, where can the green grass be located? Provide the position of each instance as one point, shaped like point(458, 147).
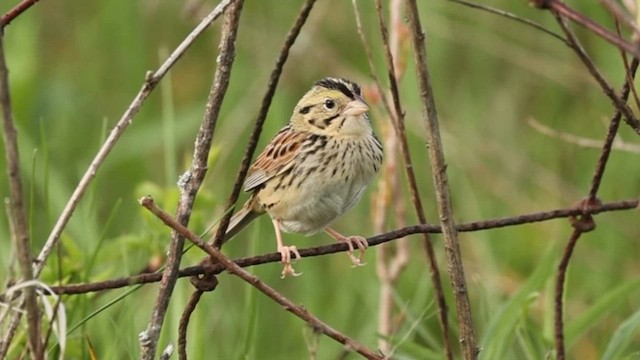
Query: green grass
point(76, 65)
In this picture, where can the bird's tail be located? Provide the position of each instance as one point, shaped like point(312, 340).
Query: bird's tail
point(239, 220)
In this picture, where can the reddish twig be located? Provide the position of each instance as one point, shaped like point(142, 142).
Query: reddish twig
point(509, 16)
point(10, 15)
point(562, 9)
point(254, 281)
point(620, 104)
point(18, 214)
point(531, 218)
point(184, 323)
point(614, 124)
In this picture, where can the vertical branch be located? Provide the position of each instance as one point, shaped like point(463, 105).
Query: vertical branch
point(388, 188)
point(586, 223)
point(190, 182)
point(398, 121)
point(559, 291)
point(438, 166)
point(18, 218)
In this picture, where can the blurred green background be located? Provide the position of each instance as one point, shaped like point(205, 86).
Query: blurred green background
point(76, 65)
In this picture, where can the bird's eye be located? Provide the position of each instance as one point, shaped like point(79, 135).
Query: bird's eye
point(329, 104)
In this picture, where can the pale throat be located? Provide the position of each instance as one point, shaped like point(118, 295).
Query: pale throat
point(355, 126)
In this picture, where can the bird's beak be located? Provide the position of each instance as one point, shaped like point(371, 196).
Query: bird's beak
point(356, 107)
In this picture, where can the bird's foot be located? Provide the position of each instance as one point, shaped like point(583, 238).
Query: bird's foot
point(285, 258)
point(362, 245)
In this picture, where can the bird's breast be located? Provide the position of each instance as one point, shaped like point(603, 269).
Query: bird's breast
point(328, 178)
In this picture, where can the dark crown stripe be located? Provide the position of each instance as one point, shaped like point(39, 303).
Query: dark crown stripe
point(346, 87)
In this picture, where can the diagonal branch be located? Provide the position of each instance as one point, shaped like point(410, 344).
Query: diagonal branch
point(254, 281)
point(190, 182)
point(614, 124)
point(152, 79)
point(620, 104)
point(10, 15)
point(562, 9)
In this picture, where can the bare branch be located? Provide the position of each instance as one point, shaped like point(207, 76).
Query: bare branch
point(149, 84)
point(10, 15)
point(438, 170)
point(510, 16)
point(254, 281)
point(562, 9)
point(398, 116)
point(18, 215)
point(620, 104)
point(262, 115)
point(190, 182)
point(481, 225)
point(184, 323)
point(581, 141)
point(611, 133)
point(581, 224)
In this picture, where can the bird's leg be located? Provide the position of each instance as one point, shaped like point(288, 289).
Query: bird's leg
point(360, 242)
point(285, 252)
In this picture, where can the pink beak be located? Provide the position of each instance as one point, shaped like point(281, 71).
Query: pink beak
point(355, 107)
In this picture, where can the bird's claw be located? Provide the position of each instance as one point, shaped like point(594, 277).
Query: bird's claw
point(285, 258)
point(362, 245)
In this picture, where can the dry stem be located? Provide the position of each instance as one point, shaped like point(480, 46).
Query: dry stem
point(18, 216)
point(191, 181)
point(149, 84)
point(340, 247)
point(438, 170)
point(254, 281)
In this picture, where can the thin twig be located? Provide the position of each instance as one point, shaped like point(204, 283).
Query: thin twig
point(254, 281)
point(262, 115)
point(611, 133)
point(621, 15)
point(620, 104)
point(531, 218)
point(581, 141)
point(559, 291)
point(192, 180)
point(369, 55)
point(23, 6)
point(11, 331)
point(438, 170)
point(560, 8)
point(184, 323)
point(242, 172)
point(149, 84)
point(18, 214)
point(510, 16)
point(390, 260)
point(398, 116)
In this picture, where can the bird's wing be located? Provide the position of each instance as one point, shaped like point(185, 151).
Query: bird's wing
point(276, 158)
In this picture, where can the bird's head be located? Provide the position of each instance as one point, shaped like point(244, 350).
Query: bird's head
point(332, 107)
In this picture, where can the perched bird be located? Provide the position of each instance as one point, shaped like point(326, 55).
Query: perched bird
point(314, 169)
